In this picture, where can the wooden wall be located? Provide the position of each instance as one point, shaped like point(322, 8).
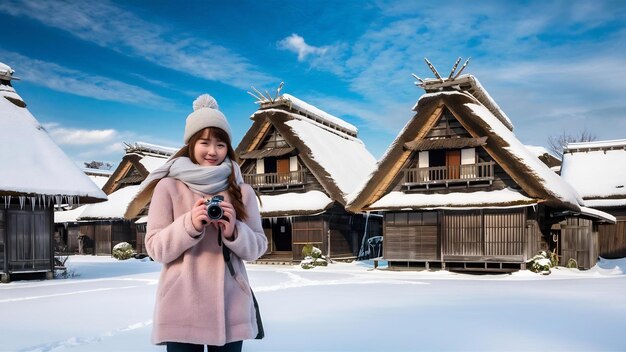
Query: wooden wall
point(578, 240)
point(3, 239)
point(460, 235)
point(27, 239)
point(411, 236)
point(308, 230)
point(612, 238)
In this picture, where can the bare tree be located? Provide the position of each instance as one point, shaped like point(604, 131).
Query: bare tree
point(558, 143)
point(98, 165)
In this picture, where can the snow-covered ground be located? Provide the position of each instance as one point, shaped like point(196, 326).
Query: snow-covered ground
point(344, 307)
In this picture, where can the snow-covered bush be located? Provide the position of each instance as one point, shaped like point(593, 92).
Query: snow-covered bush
point(123, 251)
point(312, 257)
point(542, 262)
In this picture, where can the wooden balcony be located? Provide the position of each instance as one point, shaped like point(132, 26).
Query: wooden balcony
point(448, 175)
point(276, 180)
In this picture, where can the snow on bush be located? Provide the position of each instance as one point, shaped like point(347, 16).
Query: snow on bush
point(123, 251)
point(312, 257)
point(542, 262)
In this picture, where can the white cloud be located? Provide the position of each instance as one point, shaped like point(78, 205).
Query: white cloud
point(112, 27)
point(296, 44)
point(74, 136)
point(70, 81)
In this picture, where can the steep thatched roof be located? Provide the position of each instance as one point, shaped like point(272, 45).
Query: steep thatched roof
point(536, 181)
point(326, 145)
point(33, 165)
point(140, 159)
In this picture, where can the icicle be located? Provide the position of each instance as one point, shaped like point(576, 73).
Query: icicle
point(7, 202)
point(22, 201)
point(58, 200)
point(33, 202)
point(49, 200)
point(70, 201)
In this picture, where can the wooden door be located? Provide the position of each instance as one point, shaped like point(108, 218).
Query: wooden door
point(453, 163)
point(282, 169)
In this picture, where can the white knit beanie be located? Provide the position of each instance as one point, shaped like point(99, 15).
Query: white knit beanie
point(206, 114)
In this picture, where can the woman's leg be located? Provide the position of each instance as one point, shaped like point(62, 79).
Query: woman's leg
point(229, 347)
point(184, 347)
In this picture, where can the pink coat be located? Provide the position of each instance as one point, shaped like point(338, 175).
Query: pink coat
point(198, 300)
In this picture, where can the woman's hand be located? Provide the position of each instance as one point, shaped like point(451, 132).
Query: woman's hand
point(228, 220)
point(199, 216)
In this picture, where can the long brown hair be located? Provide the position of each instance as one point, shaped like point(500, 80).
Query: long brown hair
point(233, 188)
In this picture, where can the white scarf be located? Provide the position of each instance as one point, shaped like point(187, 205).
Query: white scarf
point(203, 179)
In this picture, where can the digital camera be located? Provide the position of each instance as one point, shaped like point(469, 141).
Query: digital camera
point(213, 208)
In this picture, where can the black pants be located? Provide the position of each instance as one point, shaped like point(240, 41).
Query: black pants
point(190, 347)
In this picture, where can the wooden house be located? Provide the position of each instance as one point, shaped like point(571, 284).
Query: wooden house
point(104, 223)
point(66, 229)
point(459, 191)
point(36, 176)
point(303, 162)
point(597, 170)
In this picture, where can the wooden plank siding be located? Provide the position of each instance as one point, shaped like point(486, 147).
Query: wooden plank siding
point(579, 241)
point(411, 236)
point(612, 239)
point(305, 230)
point(3, 240)
point(28, 244)
point(499, 235)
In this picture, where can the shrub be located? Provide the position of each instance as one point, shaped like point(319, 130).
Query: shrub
point(123, 251)
point(312, 257)
point(541, 263)
point(572, 263)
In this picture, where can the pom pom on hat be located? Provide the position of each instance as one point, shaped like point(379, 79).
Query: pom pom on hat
point(206, 114)
point(205, 101)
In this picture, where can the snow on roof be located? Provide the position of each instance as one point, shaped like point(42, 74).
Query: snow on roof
point(65, 216)
point(100, 181)
point(6, 72)
point(344, 157)
point(554, 184)
point(599, 173)
point(144, 147)
point(539, 150)
point(609, 144)
point(469, 84)
point(98, 176)
point(34, 162)
point(315, 113)
point(309, 202)
point(598, 214)
point(152, 162)
point(113, 208)
point(480, 199)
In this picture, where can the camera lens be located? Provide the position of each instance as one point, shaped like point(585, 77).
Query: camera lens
point(215, 212)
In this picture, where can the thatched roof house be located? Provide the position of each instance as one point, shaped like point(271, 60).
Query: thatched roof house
point(36, 175)
point(104, 223)
point(459, 190)
point(34, 165)
point(480, 123)
point(323, 145)
point(304, 162)
point(597, 170)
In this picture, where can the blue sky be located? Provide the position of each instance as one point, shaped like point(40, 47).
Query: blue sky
point(101, 73)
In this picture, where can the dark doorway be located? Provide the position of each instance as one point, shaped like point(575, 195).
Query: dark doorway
point(281, 235)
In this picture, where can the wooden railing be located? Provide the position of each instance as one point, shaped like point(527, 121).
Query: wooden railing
point(291, 178)
point(449, 174)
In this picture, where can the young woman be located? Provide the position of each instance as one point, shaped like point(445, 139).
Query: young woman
point(199, 300)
